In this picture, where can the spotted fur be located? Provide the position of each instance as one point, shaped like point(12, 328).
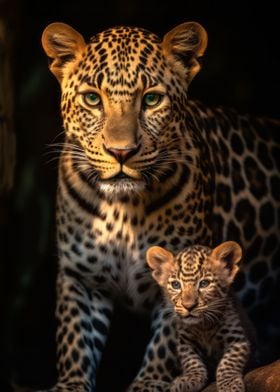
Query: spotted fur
point(142, 165)
point(196, 285)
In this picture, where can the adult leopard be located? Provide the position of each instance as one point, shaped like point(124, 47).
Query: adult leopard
point(141, 166)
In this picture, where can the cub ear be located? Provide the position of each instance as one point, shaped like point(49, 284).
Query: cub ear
point(161, 262)
point(62, 44)
point(187, 42)
point(228, 255)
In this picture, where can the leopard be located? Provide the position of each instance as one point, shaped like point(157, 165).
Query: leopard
point(142, 165)
point(210, 325)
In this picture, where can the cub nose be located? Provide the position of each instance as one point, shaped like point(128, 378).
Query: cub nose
point(189, 304)
point(122, 154)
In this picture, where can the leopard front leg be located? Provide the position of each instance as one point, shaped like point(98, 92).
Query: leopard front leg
point(229, 372)
point(194, 373)
point(160, 361)
point(83, 318)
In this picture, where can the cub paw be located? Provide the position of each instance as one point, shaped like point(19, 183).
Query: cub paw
point(187, 384)
point(234, 384)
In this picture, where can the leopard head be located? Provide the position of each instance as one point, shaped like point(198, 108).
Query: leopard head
point(123, 99)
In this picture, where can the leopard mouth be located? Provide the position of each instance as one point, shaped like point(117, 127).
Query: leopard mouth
point(121, 183)
point(121, 176)
point(186, 315)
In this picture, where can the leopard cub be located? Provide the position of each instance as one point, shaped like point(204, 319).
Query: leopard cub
point(210, 328)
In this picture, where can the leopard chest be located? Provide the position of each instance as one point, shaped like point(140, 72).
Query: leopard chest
point(109, 250)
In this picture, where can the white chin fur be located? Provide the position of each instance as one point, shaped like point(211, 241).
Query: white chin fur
point(121, 187)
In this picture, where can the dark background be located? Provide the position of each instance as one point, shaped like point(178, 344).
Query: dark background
point(240, 69)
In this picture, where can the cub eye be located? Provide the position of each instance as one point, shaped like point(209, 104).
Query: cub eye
point(152, 99)
point(92, 99)
point(175, 284)
point(204, 283)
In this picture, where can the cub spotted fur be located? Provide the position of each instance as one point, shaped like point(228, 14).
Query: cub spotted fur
point(196, 284)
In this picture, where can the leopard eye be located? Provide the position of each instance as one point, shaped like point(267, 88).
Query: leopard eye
point(204, 283)
point(92, 99)
point(152, 99)
point(175, 284)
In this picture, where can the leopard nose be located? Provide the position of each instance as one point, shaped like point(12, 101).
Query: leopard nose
point(122, 154)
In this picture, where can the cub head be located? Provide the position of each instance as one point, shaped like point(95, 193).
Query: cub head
point(197, 280)
point(123, 99)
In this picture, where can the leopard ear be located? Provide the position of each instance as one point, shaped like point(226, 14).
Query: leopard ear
point(62, 44)
point(161, 261)
point(187, 42)
point(228, 255)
